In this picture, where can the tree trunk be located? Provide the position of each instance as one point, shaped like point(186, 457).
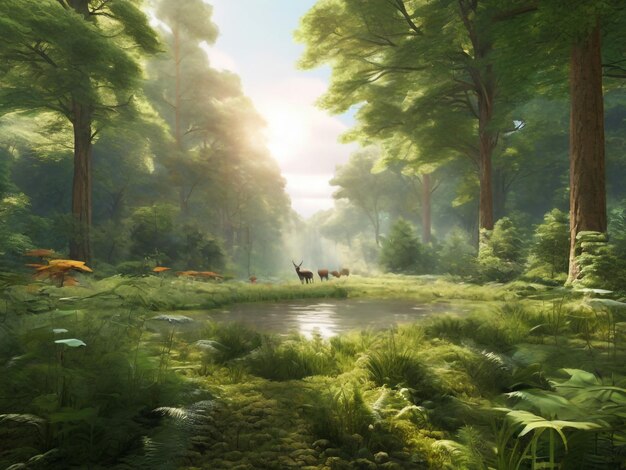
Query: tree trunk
point(487, 142)
point(426, 208)
point(484, 84)
point(81, 118)
point(587, 168)
point(80, 243)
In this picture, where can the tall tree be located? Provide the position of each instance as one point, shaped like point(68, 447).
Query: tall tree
point(366, 190)
point(77, 58)
point(434, 58)
point(587, 159)
point(186, 90)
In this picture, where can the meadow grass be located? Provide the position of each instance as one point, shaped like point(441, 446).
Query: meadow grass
point(433, 394)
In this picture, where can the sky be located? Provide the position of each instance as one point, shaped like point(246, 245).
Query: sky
point(256, 42)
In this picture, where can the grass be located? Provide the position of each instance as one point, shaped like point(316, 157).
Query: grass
point(218, 395)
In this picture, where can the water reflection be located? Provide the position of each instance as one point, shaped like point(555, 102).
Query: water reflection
point(327, 318)
point(320, 318)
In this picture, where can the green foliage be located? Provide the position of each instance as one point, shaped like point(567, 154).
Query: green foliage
point(457, 256)
point(598, 261)
point(393, 363)
point(152, 231)
point(231, 341)
point(549, 255)
point(500, 252)
point(13, 240)
point(156, 235)
point(85, 396)
point(496, 331)
point(401, 250)
point(63, 56)
point(291, 359)
point(341, 413)
point(199, 251)
point(575, 417)
point(602, 259)
point(82, 376)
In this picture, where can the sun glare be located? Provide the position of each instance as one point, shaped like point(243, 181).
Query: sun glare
point(287, 131)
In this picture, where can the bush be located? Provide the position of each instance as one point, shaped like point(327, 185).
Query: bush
point(338, 415)
point(500, 252)
point(403, 253)
point(599, 264)
point(549, 255)
point(232, 340)
point(457, 256)
point(291, 359)
point(152, 232)
point(155, 235)
point(396, 364)
point(197, 250)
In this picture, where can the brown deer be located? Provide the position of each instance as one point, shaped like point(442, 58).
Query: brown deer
point(335, 273)
point(323, 274)
point(345, 272)
point(303, 274)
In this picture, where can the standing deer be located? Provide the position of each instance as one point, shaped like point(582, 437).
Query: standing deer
point(323, 274)
point(303, 274)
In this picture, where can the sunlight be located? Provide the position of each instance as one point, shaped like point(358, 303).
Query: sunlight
point(287, 130)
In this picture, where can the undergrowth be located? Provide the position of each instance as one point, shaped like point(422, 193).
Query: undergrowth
point(529, 377)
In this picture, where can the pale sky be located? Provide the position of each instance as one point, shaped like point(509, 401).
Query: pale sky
point(256, 42)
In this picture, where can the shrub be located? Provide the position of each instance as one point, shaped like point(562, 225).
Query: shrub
point(599, 263)
point(549, 255)
point(232, 340)
point(198, 250)
point(500, 252)
point(403, 253)
point(291, 359)
point(457, 256)
point(397, 365)
point(340, 414)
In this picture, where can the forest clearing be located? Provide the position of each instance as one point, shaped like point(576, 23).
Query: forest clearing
point(323, 234)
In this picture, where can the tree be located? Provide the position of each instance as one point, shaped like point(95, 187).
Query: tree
point(366, 190)
point(577, 43)
point(551, 247)
point(434, 59)
point(79, 59)
point(187, 92)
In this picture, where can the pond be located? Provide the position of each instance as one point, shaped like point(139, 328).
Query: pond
point(329, 317)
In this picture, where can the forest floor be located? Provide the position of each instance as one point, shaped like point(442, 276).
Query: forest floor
point(105, 388)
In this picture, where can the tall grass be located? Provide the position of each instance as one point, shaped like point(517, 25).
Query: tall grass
point(293, 358)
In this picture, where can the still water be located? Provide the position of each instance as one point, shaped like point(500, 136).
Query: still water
point(329, 317)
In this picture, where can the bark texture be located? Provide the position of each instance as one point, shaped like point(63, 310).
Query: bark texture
point(81, 116)
point(80, 243)
point(587, 166)
point(487, 142)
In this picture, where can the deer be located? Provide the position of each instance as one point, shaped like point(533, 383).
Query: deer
point(303, 274)
point(323, 274)
point(335, 273)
